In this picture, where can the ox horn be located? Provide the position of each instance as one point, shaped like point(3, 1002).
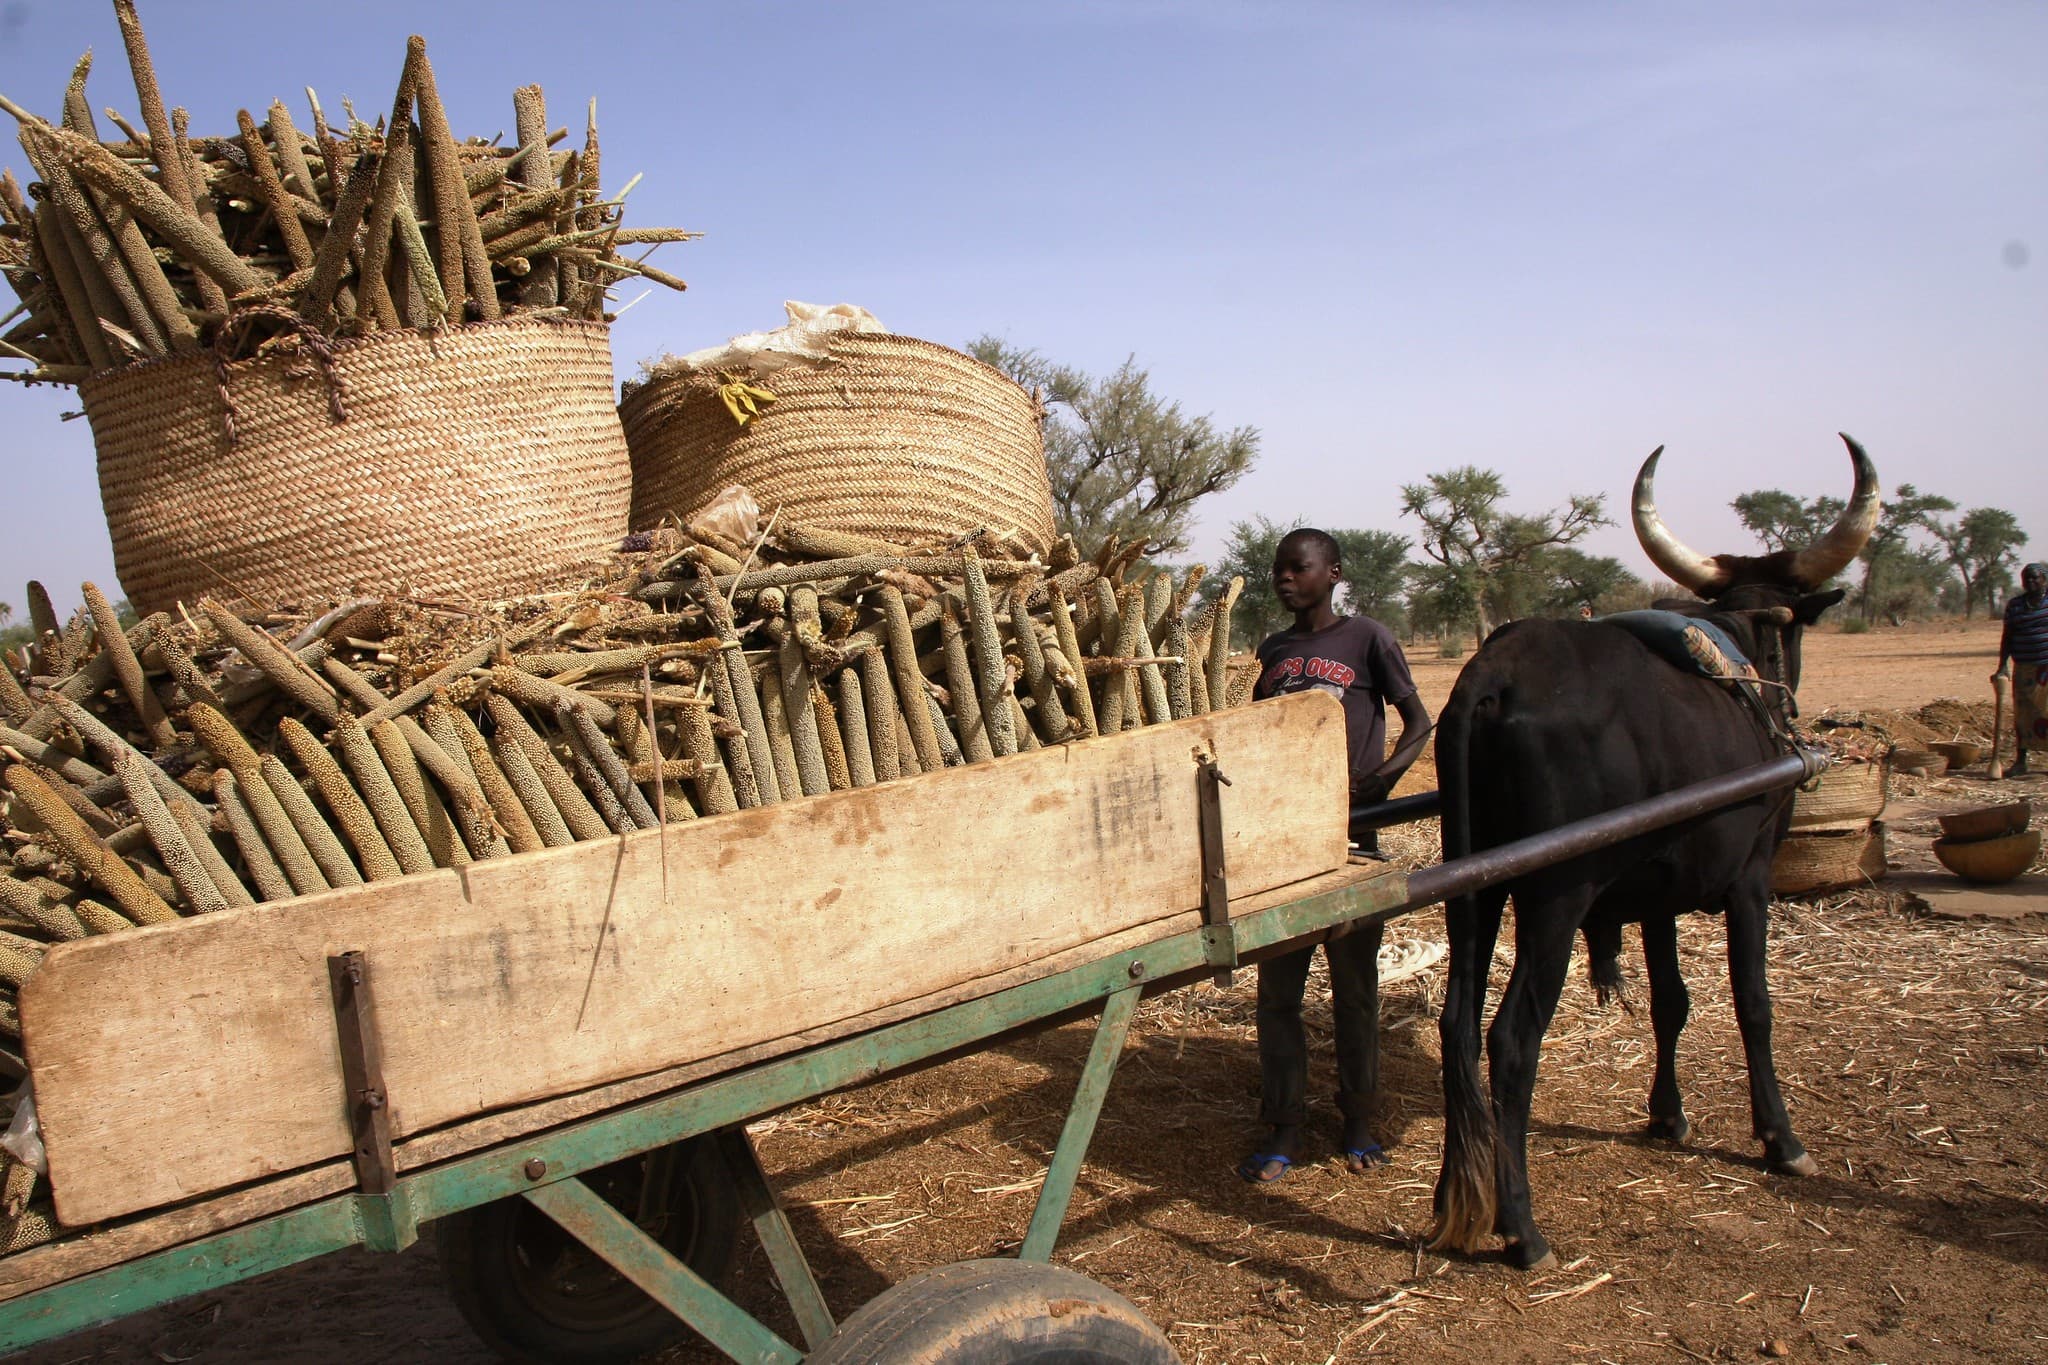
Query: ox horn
point(1685, 566)
point(1819, 562)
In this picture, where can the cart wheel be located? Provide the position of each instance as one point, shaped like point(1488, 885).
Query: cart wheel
point(537, 1295)
point(999, 1312)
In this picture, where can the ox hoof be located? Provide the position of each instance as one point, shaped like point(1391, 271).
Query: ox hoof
point(1667, 1130)
point(1534, 1257)
point(1798, 1165)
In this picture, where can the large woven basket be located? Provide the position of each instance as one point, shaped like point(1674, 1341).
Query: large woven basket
point(476, 462)
point(891, 437)
point(1808, 863)
point(1847, 796)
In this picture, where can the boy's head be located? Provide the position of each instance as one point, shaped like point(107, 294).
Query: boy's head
point(1307, 567)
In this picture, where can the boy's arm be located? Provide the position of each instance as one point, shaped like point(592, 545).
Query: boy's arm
point(2004, 668)
point(1415, 727)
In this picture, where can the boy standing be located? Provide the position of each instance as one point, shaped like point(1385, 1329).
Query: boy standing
point(1359, 661)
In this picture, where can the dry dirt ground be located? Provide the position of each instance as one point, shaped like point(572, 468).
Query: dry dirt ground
point(1914, 1052)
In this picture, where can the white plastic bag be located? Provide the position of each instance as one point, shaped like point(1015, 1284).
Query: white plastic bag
point(732, 516)
point(23, 1138)
point(804, 339)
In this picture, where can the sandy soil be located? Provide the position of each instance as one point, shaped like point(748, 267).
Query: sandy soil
point(1913, 1051)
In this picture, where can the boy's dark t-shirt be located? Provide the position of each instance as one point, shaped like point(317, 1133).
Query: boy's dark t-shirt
point(1358, 661)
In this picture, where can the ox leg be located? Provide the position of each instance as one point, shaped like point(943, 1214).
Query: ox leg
point(1465, 1181)
point(1670, 1006)
point(1748, 926)
point(1543, 953)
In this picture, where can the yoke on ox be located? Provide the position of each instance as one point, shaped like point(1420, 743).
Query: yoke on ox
point(1554, 721)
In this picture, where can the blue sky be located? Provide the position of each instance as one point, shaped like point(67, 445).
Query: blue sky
point(1394, 238)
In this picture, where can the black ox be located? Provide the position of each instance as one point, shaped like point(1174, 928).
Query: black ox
point(1554, 721)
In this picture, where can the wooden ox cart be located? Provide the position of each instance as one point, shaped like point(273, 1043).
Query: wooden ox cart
point(561, 1048)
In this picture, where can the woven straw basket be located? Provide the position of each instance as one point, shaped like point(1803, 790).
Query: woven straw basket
point(1807, 863)
point(1847, 797)
point(476, 462)
point(892, 437)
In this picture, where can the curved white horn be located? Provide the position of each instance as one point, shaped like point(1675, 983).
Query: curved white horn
point(1685, 566)
point(1834, 552)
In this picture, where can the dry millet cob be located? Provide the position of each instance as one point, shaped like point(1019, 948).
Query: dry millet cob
point(87, 850)
point(282, 837)
point(781, 749)
point(990, 673)
point(715, 793)
point(380, 793)
point(885, 717)
point(569, 801)
point(436, 827)
point(837, 767)
point(199, 834)
point(506, 807)
point(194, 885)
point(601, 792)
point(853, 716)
point(319, 837)
point(1219, 647)
point(909, 680)
point(358, 825)
point(540, 807)
point(271, 882)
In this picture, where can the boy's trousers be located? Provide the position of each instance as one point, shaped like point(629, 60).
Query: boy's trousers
point(1355, 1005)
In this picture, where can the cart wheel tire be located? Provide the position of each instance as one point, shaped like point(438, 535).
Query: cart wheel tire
point(997, 1312)
point(538, 1297)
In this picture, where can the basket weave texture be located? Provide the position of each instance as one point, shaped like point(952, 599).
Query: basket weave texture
point(1807, 863)
point(892, 437)
point(1847, 796)
point(473, 462)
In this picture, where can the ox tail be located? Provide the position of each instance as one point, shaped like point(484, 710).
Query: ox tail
point(1465, 1191)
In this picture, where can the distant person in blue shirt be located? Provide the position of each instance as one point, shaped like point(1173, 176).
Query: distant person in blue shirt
point(2023, 656)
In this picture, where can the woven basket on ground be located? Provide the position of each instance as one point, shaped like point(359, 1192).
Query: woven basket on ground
point(1807, 863)
point(891, 437)
point(1847, 797)
point(472, 462)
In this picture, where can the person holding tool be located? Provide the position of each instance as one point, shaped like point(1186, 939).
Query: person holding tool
point(2023, 657)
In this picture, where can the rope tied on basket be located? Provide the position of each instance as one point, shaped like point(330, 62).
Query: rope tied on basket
point(310, 336)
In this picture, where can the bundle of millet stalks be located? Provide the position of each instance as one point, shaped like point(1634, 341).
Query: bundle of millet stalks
point(146, 246)
point(219, 757)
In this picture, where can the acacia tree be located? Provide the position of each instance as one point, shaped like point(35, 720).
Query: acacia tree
point(1894, 572)
point(1442, 598)
point(1784, 521)
point(1492, 555)
point(1123, 461)
point(1567, 579)
point(1375, 571)
point(1916, 583)
point(1981, 546)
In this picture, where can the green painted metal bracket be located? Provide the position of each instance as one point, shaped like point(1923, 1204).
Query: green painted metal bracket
point(1053, 1196)
point(386, 1220)
point(771, 1225)
point(644, 1261)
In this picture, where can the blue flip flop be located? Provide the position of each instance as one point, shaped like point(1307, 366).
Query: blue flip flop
point(1368, 1156)
point(1252, 1169)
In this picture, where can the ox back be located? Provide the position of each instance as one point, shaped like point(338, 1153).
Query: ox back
point(1556, 721)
